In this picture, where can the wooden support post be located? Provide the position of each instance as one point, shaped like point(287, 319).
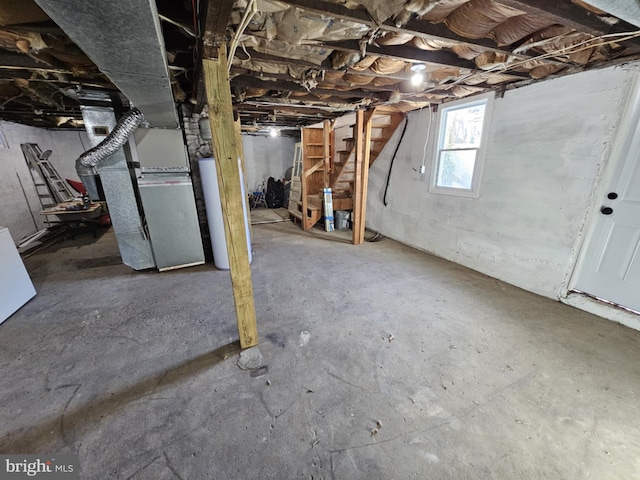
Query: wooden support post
point(303, 183)
point(227, 153)
point(326, 135)
point(332, 143)
point(363, 153)
point(357, 239)
point(238, 131)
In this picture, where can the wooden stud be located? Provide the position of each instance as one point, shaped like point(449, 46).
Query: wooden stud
point(326, 135)
point(332, 143)
point(357, 194)
point(238, 132)
point(303, 183)
point(227, 153)
point(368, 121)
point(362, 132)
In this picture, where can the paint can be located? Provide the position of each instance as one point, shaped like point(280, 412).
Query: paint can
point(341, 219)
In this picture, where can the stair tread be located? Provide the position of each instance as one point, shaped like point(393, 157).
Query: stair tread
point(310, 206)
point(298, 215)
point(376, 139)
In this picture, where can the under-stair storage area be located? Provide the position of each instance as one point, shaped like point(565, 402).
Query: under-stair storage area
point(337, 155)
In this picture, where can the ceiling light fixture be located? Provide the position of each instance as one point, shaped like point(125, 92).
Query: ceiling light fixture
point(418, 76)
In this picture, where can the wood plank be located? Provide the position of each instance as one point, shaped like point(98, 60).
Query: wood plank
point(326, 133)
point(215, 27)
point(357, 239)
point(332, 143)
point(368, 120)
point(227, 153)
point(304, 179)
point(248, 81)
point(407, 54)
point(238, 132)
point(316, 166)
point(571, 15)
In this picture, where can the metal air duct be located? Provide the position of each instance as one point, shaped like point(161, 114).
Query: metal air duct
point(124, 39)
point(109, 158)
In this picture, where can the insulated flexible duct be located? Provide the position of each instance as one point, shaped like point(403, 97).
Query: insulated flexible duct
point(116, 139)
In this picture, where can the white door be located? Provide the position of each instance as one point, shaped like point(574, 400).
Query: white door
point(609, 266)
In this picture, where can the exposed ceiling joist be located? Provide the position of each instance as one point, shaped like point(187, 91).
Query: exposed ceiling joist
point(217, 18)
point(435, 31)
point(12, 60)
point(571, 15)
point(404, 53)
point(273, 59)
point(253, 82)
point(254, 54)
point(291, 110)
point(286, 77)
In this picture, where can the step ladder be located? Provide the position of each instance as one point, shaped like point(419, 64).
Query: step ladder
point(295, 191)
point(51, 188)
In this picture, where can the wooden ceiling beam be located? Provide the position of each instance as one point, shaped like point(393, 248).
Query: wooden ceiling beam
point(286, 77)
point(571, 15)
point(12, 59)
point(415, 55)
point(253, 82)
point(283, 110)
point(217, 17)
point(416, 27)
point(266, 57)
point(405, 54)
point(326, 66)
point(397, 52)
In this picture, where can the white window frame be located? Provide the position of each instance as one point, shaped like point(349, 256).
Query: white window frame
point(474, 191)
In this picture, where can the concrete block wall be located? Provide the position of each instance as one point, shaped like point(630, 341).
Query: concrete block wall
point(548, 144)
point(22, 215)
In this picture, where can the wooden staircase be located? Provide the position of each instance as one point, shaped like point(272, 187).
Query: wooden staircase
point(383, 124)
point(316, 165)
point(341, 173)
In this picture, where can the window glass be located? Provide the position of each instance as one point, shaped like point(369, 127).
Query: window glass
point(455, 168)
point(459, 152)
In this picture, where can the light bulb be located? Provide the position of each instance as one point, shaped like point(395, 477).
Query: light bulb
point(273, 132)
point(417, 77)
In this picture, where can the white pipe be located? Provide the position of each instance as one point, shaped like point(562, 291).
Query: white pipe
point(250, 11)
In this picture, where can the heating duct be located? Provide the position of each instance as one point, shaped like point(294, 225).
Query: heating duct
point(124, 39)
point(108, 156)
point(110, 145)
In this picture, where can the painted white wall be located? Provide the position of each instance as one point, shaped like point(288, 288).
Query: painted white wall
point(266, 157)
point(16, 213)
point(547, 146)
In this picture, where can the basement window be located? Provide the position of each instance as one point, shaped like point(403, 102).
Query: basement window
point(462, 133)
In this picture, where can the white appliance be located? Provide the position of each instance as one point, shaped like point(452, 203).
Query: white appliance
point(16, 288)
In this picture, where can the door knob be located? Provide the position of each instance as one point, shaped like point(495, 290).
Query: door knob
point(606, 210)
point(612, 196)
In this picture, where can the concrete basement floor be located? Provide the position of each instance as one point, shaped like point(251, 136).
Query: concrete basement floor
point(136, 372)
